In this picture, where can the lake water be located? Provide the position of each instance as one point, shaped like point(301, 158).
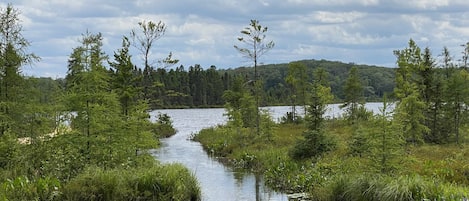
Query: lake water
point(217, 181)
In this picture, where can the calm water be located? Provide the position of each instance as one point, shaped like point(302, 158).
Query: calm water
point(217, 181)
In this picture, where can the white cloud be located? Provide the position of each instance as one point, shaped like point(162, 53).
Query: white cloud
point(335, 17)
point(204, 31)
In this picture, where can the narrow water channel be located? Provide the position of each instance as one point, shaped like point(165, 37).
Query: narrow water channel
point(217, 181)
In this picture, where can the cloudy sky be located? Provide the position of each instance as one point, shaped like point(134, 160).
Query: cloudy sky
point(204, 31)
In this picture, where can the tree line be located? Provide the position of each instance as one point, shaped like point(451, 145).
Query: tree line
point(196, 86)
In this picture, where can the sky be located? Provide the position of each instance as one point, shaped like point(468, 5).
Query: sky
point(205, 31)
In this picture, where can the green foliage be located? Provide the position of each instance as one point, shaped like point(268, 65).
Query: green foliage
point(456, 98)
point(8, 149)
point(198, 86)
point(378, 187)
point(292, 177)
point(445, 165)
point(315, 141)
point(163, 126)
point(22, 188)
point(161, 182)
point(379, 140)
point(354, 97)
point(410, 107)
point(13, 55)
point(289, 117)
point(297, 79)
point(123, 78)
point(240, 105)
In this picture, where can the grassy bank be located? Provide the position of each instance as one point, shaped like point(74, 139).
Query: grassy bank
point(115, 168)
point(158, 182)
point(437, 172)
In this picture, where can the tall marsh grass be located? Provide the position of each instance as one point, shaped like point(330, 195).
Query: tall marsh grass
point(388, 188)
point(165, 182)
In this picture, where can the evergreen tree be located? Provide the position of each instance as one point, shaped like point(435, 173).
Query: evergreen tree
point(410, 107)
point(239, 105)
point(13, 56)
point(297, 78)
point(431, 90)
point(214, 86)
point(456, 94)
point(89, 95)
point(315, 141)
point(386, 141)
point(123, 78)
point(354, 97)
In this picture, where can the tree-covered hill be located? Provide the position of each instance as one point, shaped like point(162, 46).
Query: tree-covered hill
point(377, 80)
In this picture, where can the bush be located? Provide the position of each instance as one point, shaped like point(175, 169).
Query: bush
point(164, 126)
point(314, 144)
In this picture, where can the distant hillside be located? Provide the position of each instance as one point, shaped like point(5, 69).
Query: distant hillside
point(377, 80)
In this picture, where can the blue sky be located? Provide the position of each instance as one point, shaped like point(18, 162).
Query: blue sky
point(204, 31)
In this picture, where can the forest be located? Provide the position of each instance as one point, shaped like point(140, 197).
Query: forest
point(196, 87)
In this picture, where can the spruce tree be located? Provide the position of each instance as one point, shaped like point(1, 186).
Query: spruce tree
point(315, 141)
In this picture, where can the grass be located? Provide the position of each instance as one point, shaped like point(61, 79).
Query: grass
point(162, 182)
point(436, 172)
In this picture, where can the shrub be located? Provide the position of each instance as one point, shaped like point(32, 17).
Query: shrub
point(164, 126)
point(314, 144)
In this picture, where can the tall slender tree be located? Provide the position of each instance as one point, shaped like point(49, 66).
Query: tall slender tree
point(410, 107)
point(124, 79)
point(354, 96)
point(315, 141)
point(89, 95)
point(253, 38)
point(297, 78)
point(13, 56)
point(144, 40)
